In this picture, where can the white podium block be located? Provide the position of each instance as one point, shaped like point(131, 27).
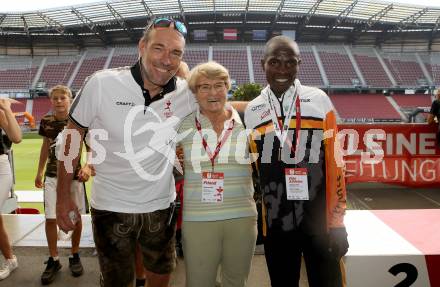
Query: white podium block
point(393, 248)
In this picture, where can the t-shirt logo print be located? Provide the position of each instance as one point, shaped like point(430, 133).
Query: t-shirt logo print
point(167, 109)
point(163, 142)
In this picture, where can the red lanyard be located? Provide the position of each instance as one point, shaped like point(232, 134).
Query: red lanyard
point(220, 143)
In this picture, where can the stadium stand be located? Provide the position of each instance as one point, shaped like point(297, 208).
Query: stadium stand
point(413, 101)
point(404, 67)
point(364, 108)
point(195, 54)
point(41, 107)
point(309, 72)
point(410, 103)
point(337, 65)
point(372, 70)
point(93, 62)
point(18, 72)
point(257, 55)
point(58, 70)
point(124, 56)
point(235, 60)
point(432, 63)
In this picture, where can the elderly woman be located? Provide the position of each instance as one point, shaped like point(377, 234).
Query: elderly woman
point(219, 215)
point(9, 132)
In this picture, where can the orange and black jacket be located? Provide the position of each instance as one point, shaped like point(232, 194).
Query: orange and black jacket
point(317, 153)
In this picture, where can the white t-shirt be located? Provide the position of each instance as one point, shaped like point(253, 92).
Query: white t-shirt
point(137, 148)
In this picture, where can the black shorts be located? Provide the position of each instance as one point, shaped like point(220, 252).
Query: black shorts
point(116, 235)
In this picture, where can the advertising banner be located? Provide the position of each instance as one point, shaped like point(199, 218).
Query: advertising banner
point(404, 154)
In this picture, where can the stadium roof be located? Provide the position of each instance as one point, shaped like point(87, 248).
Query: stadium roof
point(121, 21)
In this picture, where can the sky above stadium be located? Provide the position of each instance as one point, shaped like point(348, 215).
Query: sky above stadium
point(32, 5)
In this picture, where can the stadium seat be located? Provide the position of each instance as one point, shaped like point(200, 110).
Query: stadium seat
point(370, 67)
point(234, 58)
point(41, 107)
point(405, 69)
point(337, 65)
point(374, 107)
point(195, 55)
point(93, 62)
point(58, 70)
point(124, 56)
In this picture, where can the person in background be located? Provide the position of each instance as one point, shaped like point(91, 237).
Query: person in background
point(50, 126)
point(9, 133)
point(219, 214)
point(435, 114)
point(133, 191)
point(300, 171)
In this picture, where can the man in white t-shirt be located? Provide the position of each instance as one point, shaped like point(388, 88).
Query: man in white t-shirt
point(132, 115)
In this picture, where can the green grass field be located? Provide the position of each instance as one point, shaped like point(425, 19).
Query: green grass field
point(26, 155)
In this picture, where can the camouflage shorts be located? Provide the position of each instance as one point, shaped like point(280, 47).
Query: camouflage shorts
point(116, 235)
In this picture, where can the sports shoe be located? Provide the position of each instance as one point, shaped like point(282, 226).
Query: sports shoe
point(8, 266)
point(52, 268)
point(75, 265)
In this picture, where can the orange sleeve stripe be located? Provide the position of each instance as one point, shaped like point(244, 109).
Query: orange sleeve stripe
point(263, 217)
point(253, 149)
point(335, 187)
point(305, 124)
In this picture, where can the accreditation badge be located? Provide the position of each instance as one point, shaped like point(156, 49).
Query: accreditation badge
point(296, 184)
point(212, 186)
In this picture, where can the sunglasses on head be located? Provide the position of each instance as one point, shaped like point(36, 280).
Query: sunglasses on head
point(166, 22)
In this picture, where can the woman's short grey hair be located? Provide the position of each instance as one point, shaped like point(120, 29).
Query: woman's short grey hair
point(210, 70)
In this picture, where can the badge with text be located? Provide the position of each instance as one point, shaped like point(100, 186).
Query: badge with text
point(212, 186)
point(296, 184)
point(167, 109)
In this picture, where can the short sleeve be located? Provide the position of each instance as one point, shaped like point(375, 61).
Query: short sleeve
point(42, 129)
point(85, 106)
point(326, 102)
point(246, 116)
